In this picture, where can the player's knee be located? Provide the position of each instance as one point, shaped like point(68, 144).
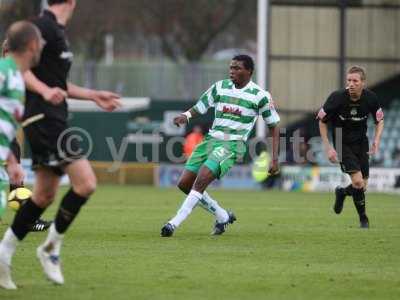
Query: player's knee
point(201, 184)
point(184, 186)
point(44, 198)
point(86, 188)
point(358, 184)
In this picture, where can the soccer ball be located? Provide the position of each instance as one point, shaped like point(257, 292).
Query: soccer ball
point(18, 197)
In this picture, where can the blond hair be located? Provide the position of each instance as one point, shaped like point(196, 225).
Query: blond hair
point(359, 70)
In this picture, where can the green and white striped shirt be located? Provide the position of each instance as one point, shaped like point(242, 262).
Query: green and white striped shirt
point(12, 95)
point(236, 110)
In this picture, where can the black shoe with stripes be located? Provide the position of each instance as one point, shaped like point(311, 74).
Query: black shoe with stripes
point(40, 225)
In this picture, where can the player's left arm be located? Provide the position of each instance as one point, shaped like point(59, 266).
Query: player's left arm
point(377, 114)
point(106, 100)
point(268, 111)
point(274, 132)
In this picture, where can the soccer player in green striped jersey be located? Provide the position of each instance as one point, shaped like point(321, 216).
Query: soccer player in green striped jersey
point(238, 102)
point(25, 45)
point(15, 171)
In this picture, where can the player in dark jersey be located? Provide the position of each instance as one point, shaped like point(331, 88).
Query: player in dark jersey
point(52, 151)
point(348, 110)
point(14, 168)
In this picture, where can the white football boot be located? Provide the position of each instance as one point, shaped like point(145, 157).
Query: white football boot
point(51, 265)
point(5, 277)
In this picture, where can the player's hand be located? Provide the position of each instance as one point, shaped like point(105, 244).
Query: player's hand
point(274, 167)
point(332, 155)
point(55, 95)
point(374, 148)
point(15, 172)
point(180, 120)
point(106, 100)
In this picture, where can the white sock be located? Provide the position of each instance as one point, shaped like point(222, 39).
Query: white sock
point(54, 240)
point(213, 207)
point(187, 206)
point(8, 246)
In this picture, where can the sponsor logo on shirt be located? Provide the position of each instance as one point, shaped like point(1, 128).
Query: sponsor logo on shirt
point(353, 111)
point(232, 111)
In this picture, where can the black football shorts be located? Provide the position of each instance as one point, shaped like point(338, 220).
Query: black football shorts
point(354, 158)
point(50, 146)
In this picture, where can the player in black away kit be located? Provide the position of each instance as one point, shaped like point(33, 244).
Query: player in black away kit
point(348, 110)
point(54, 152)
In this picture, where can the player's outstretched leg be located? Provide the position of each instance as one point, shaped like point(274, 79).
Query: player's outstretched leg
point(211, 205)
point(83, 183)
point(203, 179)
point(185, 184)
point(23, 220)
point(184, 211)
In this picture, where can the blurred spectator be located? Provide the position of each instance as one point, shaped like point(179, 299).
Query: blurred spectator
point(260, 171)
point(192, 140)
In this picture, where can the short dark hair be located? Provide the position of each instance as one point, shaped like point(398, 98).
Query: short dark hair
point(358, 70)
point(20, 34)
point(52, 2)
point(248, 62)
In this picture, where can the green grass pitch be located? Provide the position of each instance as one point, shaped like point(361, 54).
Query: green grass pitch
point(283, 246)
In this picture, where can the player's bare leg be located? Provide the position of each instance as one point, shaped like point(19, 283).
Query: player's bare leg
point(26, 216)
point(83, 182)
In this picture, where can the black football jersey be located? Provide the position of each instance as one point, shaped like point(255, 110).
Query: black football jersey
point(351, 116)
point(53, 68)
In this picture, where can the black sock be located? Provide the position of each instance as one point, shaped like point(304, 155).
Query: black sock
point(25, 217)
point(348, 190)
point(15, 186)
point(68, 210)
point(359, 202)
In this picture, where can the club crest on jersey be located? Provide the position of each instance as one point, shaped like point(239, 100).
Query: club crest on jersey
point(232, 111)
point(353, 111)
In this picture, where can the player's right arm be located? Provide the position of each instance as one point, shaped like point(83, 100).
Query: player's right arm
point(200, 108)
point(185, 117)
point(14, 170)
point(326, 113)
point(54, 95)
point(329, 150)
